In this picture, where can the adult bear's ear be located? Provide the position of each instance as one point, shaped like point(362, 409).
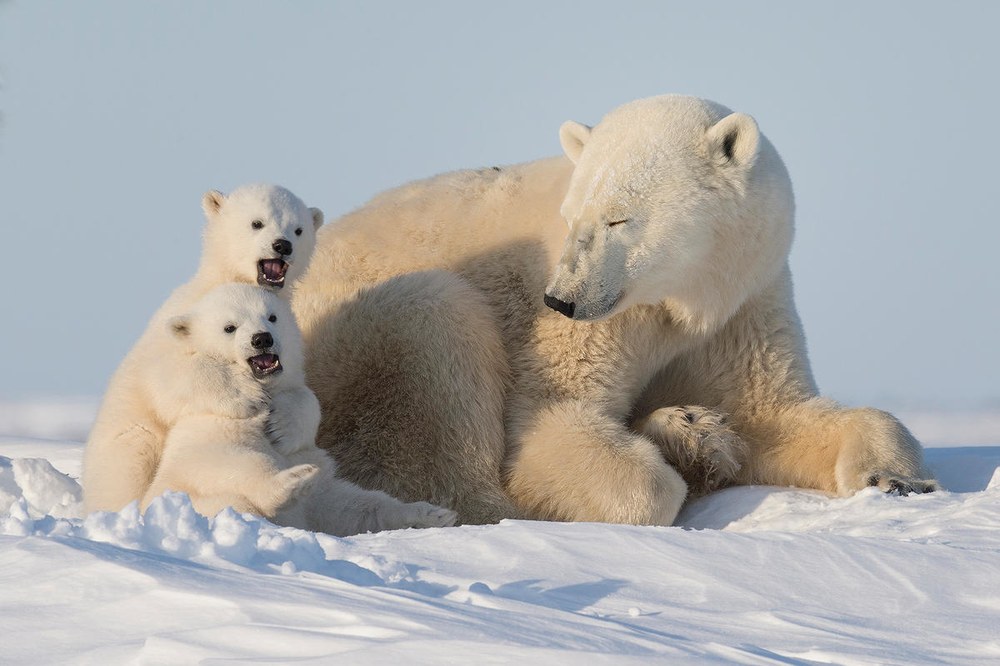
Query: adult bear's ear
point(734, 141)
point(212, 202)
point(179, 327)
point(572, 136)
point(317, 216)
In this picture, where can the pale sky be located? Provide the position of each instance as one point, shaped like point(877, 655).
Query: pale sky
point(117, 116)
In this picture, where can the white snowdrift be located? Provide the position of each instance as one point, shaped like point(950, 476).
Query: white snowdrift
point(754, 576)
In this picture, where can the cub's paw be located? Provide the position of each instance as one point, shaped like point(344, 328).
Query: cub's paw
point(293, 421)
point(289, 485)
point(699, 443)
point(902, 486)
point(424, 514)
point(282, 432)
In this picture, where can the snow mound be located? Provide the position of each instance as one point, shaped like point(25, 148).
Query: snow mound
point(38, 489)
point(752, 575)
point(49, 505)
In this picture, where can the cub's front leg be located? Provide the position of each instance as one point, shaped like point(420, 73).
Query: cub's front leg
point(338, 507)
point(294, 420)
point(202, 385)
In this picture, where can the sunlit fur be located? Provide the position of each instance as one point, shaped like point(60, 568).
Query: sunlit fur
point(442, 375)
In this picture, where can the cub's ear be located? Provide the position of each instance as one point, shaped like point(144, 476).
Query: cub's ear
point(317, 216)
point(179, 327)
point(734, 141)
point(572, 136)
point(212, 202)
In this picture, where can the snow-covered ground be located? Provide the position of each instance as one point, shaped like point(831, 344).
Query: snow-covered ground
point(751, 576)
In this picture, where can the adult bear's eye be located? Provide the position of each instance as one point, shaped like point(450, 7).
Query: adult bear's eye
point(257, 224)
point(273, 318)
point(616, 223)
point(298, 232)
point(229, 329)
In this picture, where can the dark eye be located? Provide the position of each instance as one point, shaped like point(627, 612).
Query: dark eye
point(257, 224)
point(229, 329)
point(616, 223)
point(298, 232)
point(273, 318)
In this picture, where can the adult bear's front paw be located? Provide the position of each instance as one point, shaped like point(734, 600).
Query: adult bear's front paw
point(878, 450)
point(699, 443)
point(902, 486)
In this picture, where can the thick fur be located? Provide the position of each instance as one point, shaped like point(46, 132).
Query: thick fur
point(224, 461)
point(674, 273)
point(124, 446)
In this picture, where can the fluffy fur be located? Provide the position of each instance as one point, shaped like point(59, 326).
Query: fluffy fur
point(254, 224)
point(240, 344)
point(670, 345)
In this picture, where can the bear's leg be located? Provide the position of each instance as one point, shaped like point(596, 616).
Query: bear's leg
point(573, 463)
point(818, 444)
point(294, 420)
point(338, 507)
point(411, 376)
point(698, 443)
point(227, 462)
point(118, 469)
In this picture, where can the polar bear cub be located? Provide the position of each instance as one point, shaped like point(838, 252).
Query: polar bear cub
point(238, 350)
point(237, 347)
point(258, 234)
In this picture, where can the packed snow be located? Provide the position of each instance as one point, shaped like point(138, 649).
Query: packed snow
point(753, 575)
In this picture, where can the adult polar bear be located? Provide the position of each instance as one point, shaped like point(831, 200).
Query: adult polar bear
point(443, 377)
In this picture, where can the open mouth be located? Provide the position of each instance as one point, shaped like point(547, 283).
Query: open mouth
point(264, 365)
point(271, 272)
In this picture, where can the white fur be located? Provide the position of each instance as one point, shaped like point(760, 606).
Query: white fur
point(224, 461)
point(124, 446)
point(680, 218)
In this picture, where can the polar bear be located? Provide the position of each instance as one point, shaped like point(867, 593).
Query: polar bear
point(258, 234)
point(240, 343)
point(468, 351)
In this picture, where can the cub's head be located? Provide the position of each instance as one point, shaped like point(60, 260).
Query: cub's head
point(244, 326)
point(259, 234)
point(674, 200)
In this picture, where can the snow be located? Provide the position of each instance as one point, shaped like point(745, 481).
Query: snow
point(753, 575)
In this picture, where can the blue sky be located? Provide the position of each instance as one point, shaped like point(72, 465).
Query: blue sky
point(117, 116)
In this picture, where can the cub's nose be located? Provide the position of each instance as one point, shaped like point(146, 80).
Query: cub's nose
point(562, 307)
point(261, 340)
point(282, 246)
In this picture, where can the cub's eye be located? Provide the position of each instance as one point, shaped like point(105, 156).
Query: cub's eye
point(273, 318)
point(229, 329)
point(616, 223)
point(257, 224)
point(298, 232)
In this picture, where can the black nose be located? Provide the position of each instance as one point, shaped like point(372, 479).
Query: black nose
point(261, 340)
point(562, 307)
point(282, 246)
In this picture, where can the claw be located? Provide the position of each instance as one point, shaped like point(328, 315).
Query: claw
point(903, 489)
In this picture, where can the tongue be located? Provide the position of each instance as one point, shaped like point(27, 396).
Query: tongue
point(264, 361)
point(274, 269)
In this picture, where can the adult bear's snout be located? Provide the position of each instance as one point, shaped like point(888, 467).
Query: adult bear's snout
point(261, 340)
point(562, 307)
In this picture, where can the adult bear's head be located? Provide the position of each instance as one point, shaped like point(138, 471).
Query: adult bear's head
point(674, 200)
